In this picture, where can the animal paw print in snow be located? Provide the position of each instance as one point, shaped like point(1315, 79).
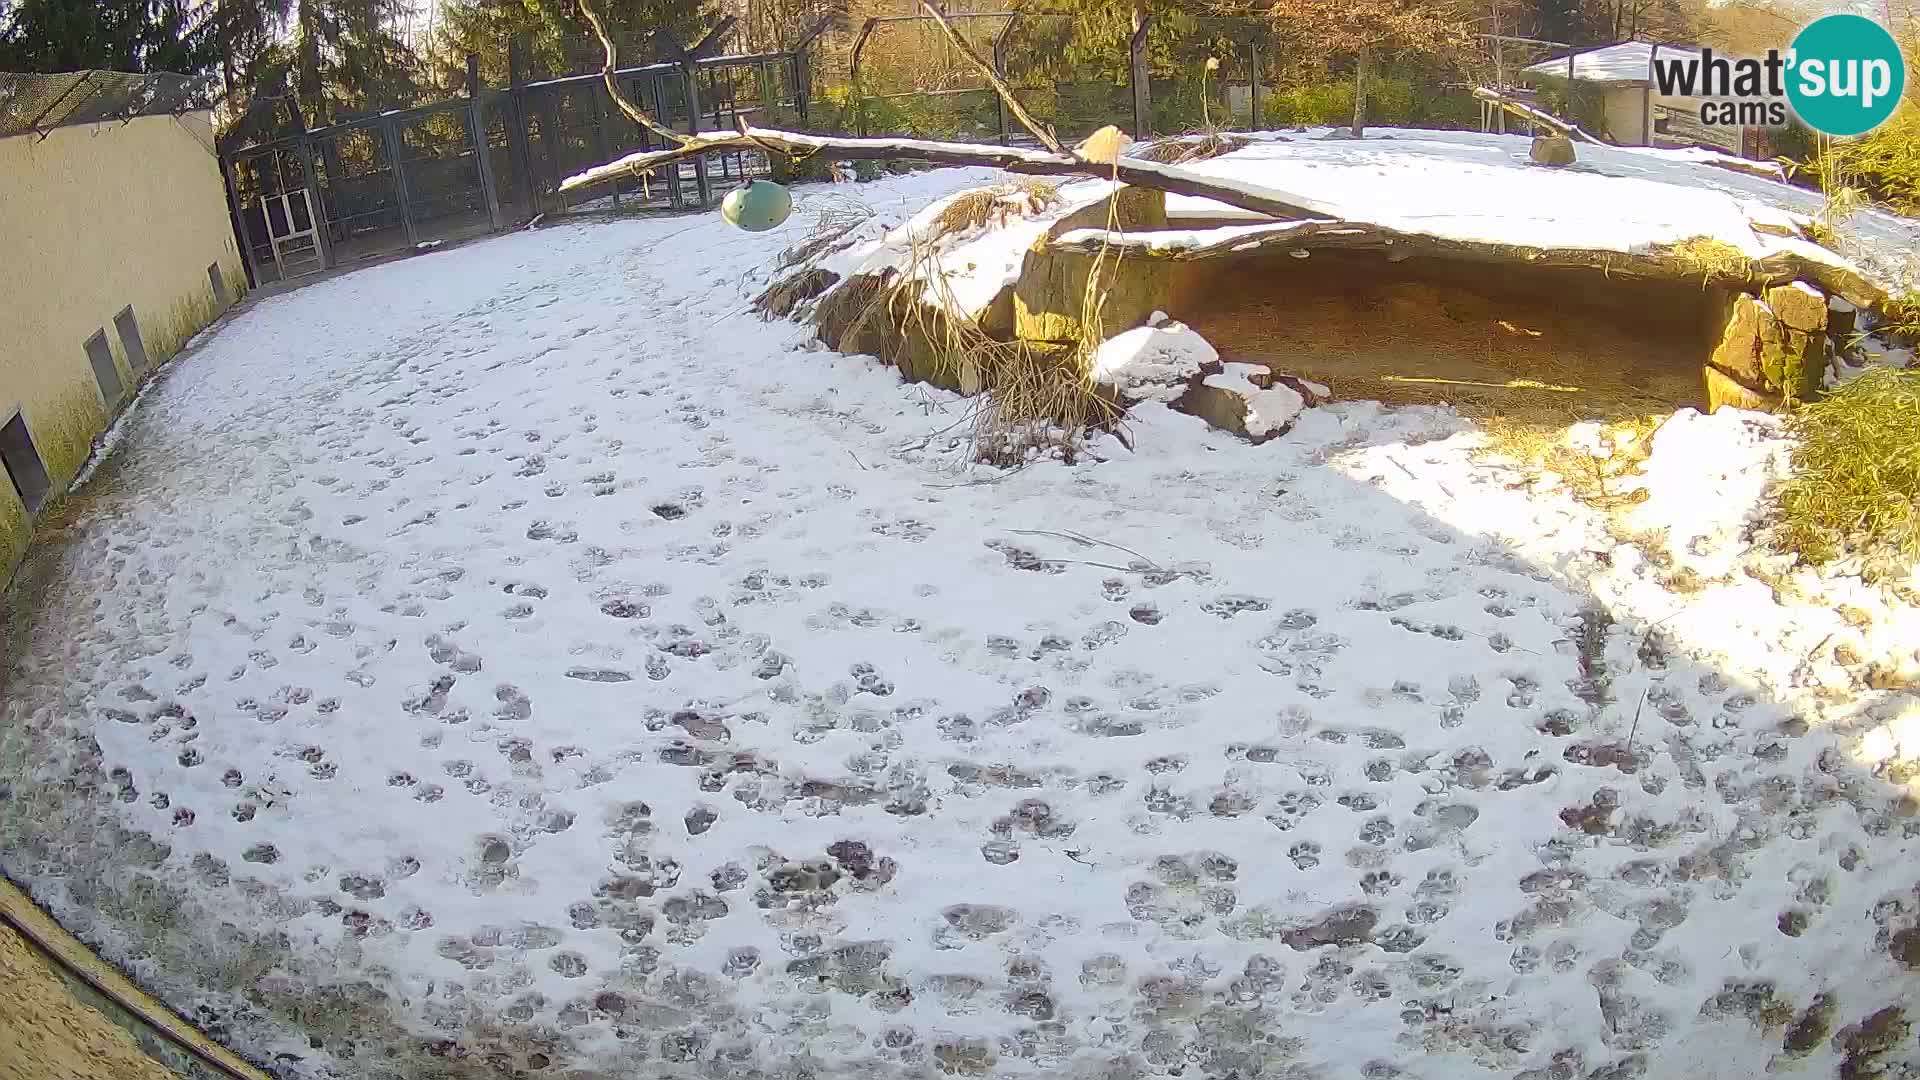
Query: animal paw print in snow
point(1290, 807)
point(1376, 831)
point(1379, 882)
point(869, 680)
point(1522, 694)
point(1226, 607)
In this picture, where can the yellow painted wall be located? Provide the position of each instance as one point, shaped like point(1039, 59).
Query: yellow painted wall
point(93, 218)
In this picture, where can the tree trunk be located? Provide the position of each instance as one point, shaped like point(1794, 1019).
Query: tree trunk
point(1360, 92)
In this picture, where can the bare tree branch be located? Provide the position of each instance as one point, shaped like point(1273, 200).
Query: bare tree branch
point(1014, 159)
point(634, 112)
point(1040, 131)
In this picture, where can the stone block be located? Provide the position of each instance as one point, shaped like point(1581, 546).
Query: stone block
point(1794, 362)
point(1555, 150)
point(1725, 392)
point(1798, 305)
point(1051, 294)
point(1743, 340)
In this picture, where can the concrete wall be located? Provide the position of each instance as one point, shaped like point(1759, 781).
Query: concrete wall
point(94, 218)
point(66, 1014)
point(1626, 115)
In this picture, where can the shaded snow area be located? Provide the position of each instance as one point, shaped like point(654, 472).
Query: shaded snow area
point(1480, 187)
point(518, 657)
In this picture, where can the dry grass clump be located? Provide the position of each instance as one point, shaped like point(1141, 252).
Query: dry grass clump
point(832, 224)
point(1539, 444)
point(1713, 260)
point(1031, 394)
point(1024, 395)
point(1900, 319)
point(1027, 396)
point(1186, 149)
point(786, 294)
point(1855, 486)
point(973, 210)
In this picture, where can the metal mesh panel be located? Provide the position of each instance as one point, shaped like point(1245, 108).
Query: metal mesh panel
point(30, 102)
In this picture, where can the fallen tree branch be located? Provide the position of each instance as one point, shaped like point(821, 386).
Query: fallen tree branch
point(1040, 131)
point(1532, 115)
point(1148, 174)
point(634, 112)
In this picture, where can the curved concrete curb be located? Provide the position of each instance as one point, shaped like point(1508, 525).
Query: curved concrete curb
point(119, 1008)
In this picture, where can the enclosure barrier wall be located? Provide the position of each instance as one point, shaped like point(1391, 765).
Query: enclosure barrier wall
point(118, 250)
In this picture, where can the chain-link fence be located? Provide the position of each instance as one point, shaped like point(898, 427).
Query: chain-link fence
point(40, 103)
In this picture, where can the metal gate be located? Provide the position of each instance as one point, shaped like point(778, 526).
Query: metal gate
point(290, 228)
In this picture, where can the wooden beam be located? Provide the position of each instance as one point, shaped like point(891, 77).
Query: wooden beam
point(1777, 268)
point(1527, 112)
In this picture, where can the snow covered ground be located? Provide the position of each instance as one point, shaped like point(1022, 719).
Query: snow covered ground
point(521, 657)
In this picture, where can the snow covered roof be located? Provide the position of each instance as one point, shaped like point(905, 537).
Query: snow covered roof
point(1625, 64)
point(1482, 188)
point(1452, 186)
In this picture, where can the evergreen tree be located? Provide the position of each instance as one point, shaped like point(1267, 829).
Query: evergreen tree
point(327, 58)
point(111, 35)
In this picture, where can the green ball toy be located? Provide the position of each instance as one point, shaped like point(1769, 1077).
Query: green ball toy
point(758, 206)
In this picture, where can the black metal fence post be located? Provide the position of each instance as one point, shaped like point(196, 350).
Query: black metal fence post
point(676, 198)
point(691, 75)
point(602, 142)
point(1000, 69)
point(550, 140)
point(316, 209)
point(1253, 122)
point(800, 92)
point(515, 115)
point(397, 150)
point(1141, 79)
point(237, 210)
point(477, 128)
